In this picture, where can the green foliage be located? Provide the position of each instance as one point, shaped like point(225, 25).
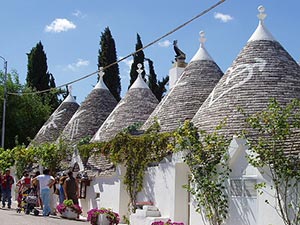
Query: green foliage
point(25, 113)
point(49, 155)
point(6, 159)
point(52, 156)
point(108, 55)
point(135, 153)
point(207, 158)
point(157, 87)
point(24, 159)
point(84, 149)
point(38, 78)
point(138, 57)
point(276, 127)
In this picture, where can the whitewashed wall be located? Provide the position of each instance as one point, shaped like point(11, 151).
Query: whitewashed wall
point(163, 187)
point(111, 193)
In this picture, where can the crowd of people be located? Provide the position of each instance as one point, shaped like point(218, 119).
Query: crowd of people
point(49, 191)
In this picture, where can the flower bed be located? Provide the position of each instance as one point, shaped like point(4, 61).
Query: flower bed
point(69, 210)
point(99, 216)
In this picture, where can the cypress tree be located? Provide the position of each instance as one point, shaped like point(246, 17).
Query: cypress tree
point(157, 87)
point(38, 78)
point(37, 69)
point(138, 57)
point(108, 55)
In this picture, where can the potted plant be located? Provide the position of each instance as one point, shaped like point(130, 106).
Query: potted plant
point(169, 222)
point(69, 210)
point(103, 216)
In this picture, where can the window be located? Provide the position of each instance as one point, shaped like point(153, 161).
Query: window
point(243, 187)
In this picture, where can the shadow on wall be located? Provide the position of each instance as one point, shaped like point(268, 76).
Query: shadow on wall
point(96, 189)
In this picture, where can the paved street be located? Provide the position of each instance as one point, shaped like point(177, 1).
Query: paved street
point(11, 217)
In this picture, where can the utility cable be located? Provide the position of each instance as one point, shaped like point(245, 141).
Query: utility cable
point(131, 54)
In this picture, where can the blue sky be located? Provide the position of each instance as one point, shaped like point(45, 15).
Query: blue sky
point(70, 32)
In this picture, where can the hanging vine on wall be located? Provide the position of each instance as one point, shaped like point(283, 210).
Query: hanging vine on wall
point(135, 152)
point(207, 158)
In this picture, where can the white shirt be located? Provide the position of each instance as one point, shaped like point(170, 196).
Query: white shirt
point(44, 180)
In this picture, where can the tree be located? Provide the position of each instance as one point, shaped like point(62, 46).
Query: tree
point(207, 156)
point(107, 55)
point(277, 156)
point(38, 78)
point(138, 57)
point(157, 87)
point(26, 113)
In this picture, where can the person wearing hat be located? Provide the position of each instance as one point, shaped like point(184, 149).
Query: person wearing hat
point(7, 182)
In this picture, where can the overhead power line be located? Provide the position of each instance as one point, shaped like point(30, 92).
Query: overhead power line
point(129, 55)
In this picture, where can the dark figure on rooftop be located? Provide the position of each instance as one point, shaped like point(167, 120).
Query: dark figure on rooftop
point(180, 55)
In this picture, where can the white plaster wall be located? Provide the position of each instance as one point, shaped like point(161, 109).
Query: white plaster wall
point(174, 74)
point(111, 191)
point(159, 187)
point(195, 217)
point(255, 207)
point(163, 186)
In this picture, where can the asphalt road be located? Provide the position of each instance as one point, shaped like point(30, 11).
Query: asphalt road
point(11, 217)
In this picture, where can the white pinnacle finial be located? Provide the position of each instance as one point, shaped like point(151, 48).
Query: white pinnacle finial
point(261, 16)
point(261, 32)
point(139, 82)
point(100, 72)
point(139, 70)
point(70, 98)
point(202, 37)
point(101, 84)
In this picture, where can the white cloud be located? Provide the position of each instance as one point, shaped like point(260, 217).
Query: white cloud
point(223, 17)
point(78, 64)
point(164, 44)
point(78, 13)
point(128, 62)
point(59, 25)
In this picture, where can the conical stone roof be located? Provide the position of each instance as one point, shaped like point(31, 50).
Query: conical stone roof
point(262, 70)
point(53, 127)
point(135, 107)
point(91, 114)
point(190, 91)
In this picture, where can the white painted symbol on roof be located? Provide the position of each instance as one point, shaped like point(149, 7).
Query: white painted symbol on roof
point(55, 117)
point(233, 74)
point(75, 124)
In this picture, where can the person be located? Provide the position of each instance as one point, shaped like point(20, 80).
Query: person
point(46, 181)
point(0, 186)
point(62, 180)
point(24, 185)
point(7, 182)
point(36, 189)
point(71, 188)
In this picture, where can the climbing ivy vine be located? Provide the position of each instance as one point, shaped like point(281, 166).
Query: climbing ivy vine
point(136, 151)
point(207, 158)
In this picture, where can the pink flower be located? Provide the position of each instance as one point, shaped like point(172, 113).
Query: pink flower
point(93, 214)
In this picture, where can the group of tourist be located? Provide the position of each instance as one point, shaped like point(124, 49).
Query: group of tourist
point(49, 190)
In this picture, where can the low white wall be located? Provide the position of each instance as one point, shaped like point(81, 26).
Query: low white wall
point(163, 185)
point(107, 192)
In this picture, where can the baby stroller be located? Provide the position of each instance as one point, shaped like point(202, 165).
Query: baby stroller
point(29, 202)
